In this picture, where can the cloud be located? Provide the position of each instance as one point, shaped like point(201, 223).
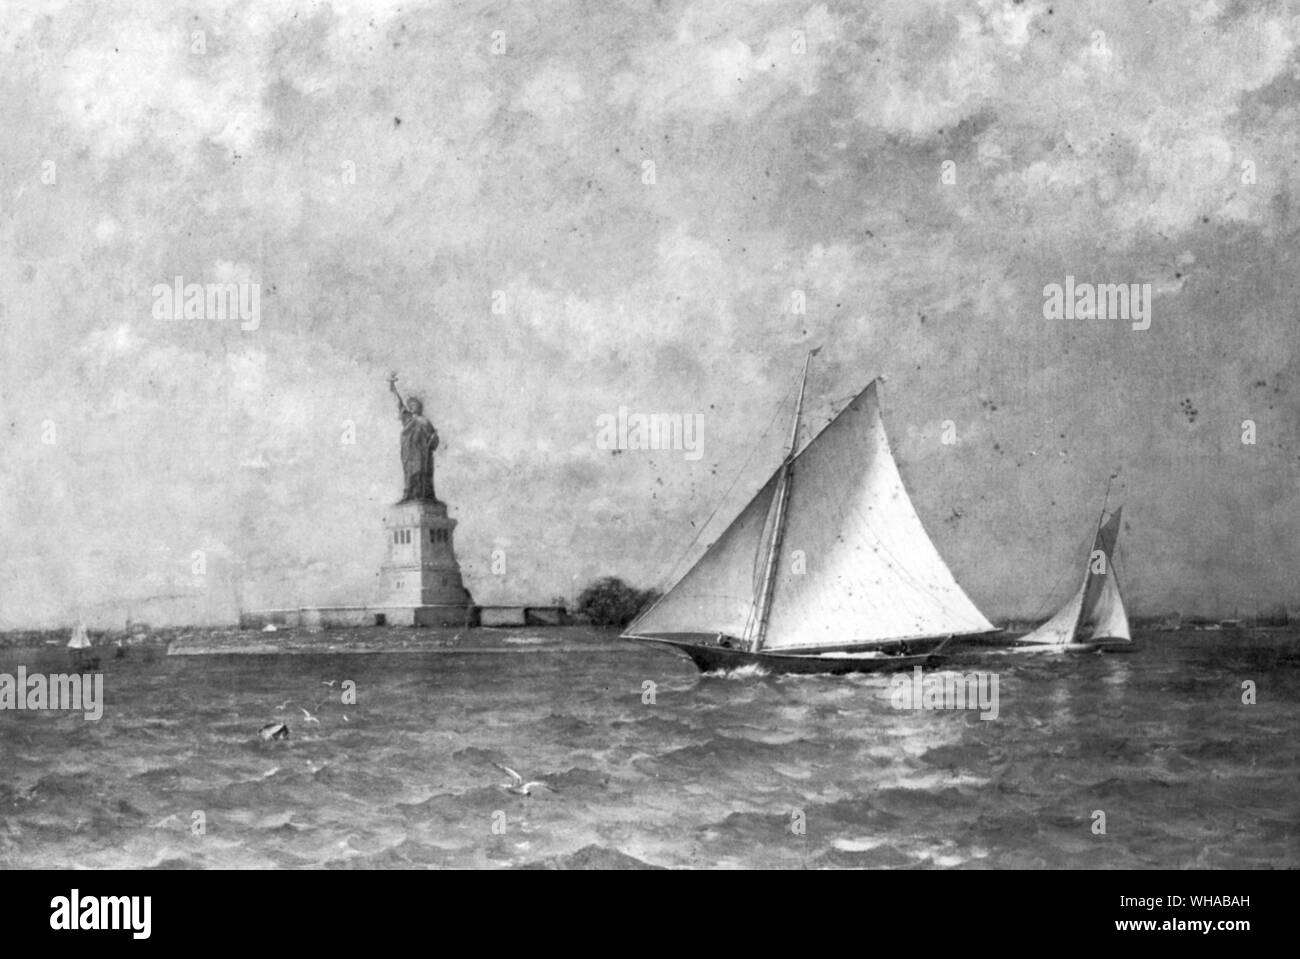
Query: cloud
point(709, 70)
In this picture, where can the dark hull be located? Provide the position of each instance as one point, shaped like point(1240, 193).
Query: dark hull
point(713, 658)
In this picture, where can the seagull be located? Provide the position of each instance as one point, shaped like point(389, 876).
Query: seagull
point(517, 784)
point(330, 683)
point(280, 708)
point(308, 717)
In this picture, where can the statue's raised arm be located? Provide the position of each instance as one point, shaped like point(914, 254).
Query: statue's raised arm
point(401, 403)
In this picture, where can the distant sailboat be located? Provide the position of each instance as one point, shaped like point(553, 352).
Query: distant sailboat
point(869, 590)
point(81, 647)
point(1095, 614)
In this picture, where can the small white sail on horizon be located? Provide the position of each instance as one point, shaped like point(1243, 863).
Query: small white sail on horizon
point(867, 574)
point(1095, 613)
point(80, 638)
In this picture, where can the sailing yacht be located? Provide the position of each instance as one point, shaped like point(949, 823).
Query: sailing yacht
point(80, 638)
point(1094, 616)
point(826, 570)
point(83, 656)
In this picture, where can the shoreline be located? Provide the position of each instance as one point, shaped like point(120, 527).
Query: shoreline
point(317, 640)
point(421, 651)
point(235, 638)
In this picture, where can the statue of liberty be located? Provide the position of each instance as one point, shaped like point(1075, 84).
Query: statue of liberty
point(419, 440)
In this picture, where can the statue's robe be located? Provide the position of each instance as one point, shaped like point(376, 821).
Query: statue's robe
point(419, 440)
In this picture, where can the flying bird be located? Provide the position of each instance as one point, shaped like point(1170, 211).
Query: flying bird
point(329, 683)
point(308, 717)
point(517, 784)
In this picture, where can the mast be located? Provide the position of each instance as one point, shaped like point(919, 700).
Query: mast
point(778, 526)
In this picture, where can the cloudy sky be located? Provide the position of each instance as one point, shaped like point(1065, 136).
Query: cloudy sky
point(639, 189)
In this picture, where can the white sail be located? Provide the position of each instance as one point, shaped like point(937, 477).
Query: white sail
point(856, 566)
point(1096, 611)
point(1059, 630)
point(1107, 620)
point(718, 593)
point(80, 638)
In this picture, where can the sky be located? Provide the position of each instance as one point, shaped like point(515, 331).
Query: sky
point(537, 214)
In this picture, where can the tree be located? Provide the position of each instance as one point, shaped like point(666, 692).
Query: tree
point(611, 602)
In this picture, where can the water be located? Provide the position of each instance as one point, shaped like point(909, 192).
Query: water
point(716, 772)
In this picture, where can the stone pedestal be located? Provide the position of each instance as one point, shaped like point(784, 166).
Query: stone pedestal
point(420, 571)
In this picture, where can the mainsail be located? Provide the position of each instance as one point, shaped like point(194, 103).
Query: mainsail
point(854, 566)
point(1096, 611)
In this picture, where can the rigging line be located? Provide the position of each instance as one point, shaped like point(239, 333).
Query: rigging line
point(736, 479)
point(1083, 547)
point(1050, 601)
point(836, 410)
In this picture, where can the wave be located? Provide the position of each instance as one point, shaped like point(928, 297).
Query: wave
point(748, 671)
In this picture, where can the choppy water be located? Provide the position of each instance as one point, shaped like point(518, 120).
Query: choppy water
point(712, 774)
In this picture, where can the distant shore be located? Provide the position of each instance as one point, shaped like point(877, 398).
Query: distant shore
point(25, 638)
